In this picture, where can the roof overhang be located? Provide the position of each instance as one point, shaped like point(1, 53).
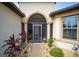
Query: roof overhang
point(67, 9)
point(14, 8)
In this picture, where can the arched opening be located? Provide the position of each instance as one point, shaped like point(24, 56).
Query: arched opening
point(37, 28)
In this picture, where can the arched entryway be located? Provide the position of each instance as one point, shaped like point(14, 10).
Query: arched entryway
point(37, 28)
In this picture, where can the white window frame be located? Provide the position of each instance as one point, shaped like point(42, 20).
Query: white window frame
point(71, 28)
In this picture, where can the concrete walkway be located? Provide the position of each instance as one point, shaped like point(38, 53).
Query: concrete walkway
point(36, 50)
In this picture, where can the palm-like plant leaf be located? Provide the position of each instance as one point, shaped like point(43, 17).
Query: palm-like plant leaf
point(10, 53)
point(7, 52)
point(11, 43)
point(23, 37)
point(8, 49)
point(4, 45)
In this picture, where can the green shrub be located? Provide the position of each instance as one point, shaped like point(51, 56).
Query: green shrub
point(56, 52)
point(50, 41)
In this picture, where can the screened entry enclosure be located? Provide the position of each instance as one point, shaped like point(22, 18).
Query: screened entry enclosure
point(37, 28)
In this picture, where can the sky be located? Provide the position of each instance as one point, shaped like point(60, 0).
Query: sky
point(60, 5)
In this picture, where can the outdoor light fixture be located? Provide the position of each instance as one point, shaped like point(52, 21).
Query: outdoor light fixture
point(75, 48)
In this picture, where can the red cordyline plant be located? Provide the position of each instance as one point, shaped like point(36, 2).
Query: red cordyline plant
point(11, 46)
point(24, 36)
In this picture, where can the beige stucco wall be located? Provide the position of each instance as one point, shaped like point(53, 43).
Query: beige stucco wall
point(58, 30)
point(9, 24)
point(41, 8)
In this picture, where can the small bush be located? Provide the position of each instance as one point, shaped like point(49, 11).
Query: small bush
point(50, 41)
point(56, 52)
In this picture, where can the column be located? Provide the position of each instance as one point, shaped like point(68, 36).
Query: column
point(48, 31)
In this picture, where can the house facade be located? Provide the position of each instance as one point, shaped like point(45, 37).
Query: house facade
point(41, 21)
point(38, 22)
point(35, 16)
point(10, 22)
point(66, 26)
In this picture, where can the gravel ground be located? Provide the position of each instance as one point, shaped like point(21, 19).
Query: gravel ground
point(42, 50)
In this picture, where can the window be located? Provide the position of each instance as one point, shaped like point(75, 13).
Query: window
point(70, 27)
point(44, 31)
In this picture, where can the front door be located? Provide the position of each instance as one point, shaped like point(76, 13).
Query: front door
point(37, 32)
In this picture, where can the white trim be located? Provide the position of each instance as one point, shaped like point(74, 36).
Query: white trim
point(70, 28)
